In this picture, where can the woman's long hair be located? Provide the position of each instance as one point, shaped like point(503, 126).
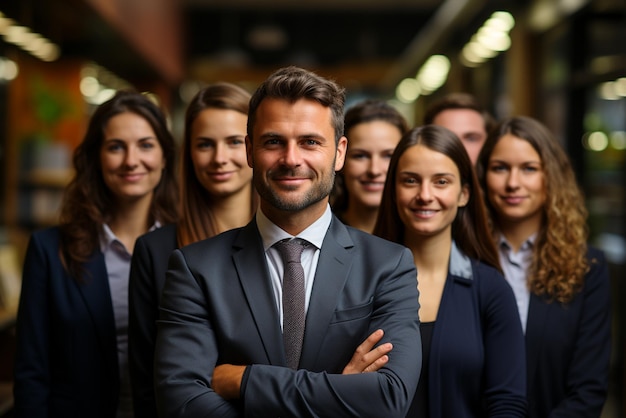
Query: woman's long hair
point(363, 112)
point(88, 202)
point(559, 260)
point(197, 219)
point(470, 229)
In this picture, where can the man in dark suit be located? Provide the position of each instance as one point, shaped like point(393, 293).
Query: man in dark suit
point(220, 349)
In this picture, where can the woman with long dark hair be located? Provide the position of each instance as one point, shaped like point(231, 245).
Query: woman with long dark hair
point(472, 343)
point(71, 358)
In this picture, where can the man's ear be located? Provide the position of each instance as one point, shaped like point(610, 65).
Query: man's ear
point(340, 156)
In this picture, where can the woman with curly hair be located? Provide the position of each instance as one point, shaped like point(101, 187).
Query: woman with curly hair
point(472, 342)
point(71, 357)
point(216, 195)
point(373, 129)
point(561, 284)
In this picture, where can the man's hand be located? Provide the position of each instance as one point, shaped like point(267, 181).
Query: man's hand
point(226, 380)
point(367, 360)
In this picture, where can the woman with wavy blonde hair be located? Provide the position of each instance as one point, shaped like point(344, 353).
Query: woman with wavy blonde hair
point(560, 283)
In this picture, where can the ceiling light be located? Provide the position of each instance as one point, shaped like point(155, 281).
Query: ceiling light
point(408, 90)
point(620, 86)
point(490, 39)
point(618, 140)
point(597, 141)
point(27, 40)
point(8, 69)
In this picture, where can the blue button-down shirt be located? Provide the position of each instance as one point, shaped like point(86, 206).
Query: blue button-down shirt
point(515, 266)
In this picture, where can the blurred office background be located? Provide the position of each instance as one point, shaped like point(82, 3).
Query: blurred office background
point(561, 61)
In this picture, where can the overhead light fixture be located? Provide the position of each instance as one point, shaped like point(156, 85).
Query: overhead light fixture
point(544, 14)
point(29, 41)
point(8, 69)
point(408, 90)
point(98, 84)
point(489, 40)
point(432, 75)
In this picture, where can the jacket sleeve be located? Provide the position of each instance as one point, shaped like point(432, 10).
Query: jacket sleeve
point(186, 350)
point(143, 313)
point(587, 377)
point(505, 355)
point(279, 391)
point(32, 368)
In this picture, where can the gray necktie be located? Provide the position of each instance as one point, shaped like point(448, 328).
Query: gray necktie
point(293, 299)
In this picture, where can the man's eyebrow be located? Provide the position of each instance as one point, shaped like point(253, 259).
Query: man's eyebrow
point(311, 136)
point(271, 135)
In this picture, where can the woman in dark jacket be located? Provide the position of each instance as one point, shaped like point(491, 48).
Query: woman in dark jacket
point(561, 284)
point(216, 195)
point(472, 342)
point(71, 358)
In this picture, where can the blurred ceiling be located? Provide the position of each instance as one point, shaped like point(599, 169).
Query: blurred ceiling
point(364, 44)
point(369, 44)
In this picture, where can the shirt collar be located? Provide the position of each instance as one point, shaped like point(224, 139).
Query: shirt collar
point(314, 233)
point(107, 238)
point(528, 244)
point(460, 264)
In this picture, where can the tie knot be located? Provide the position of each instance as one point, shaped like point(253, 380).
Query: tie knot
point(290, 250)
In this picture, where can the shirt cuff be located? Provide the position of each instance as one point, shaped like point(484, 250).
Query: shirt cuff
point(244, 381)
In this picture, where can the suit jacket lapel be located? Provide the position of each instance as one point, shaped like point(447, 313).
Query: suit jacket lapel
point(535, 328)
point(331, 274)
point(251, 267)
point(96, 294)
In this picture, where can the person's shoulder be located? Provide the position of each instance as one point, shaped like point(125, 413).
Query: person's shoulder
point(598, 268)
point(485, 270)
point(163, 235)
point(221, 241)
point(373, 245)
point(156, 244)
point(49, 234)
point(488, 276)
point(595, 255)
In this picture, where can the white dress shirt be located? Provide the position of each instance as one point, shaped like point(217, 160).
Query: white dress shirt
point(313, 235)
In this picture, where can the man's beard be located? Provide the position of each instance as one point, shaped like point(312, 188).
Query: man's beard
point(318, 192)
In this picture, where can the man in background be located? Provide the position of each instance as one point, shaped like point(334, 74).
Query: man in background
point(462, 114)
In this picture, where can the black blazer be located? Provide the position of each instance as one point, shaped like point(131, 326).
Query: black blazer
point(568, 349)
point(477, 365)
point(66, 359)
point(147, 277)
point(217, 307)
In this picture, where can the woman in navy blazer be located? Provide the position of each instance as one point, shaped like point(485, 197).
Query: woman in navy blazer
point(473, 353)
point(71, 358)
point(561, 285)
point(216, 195)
